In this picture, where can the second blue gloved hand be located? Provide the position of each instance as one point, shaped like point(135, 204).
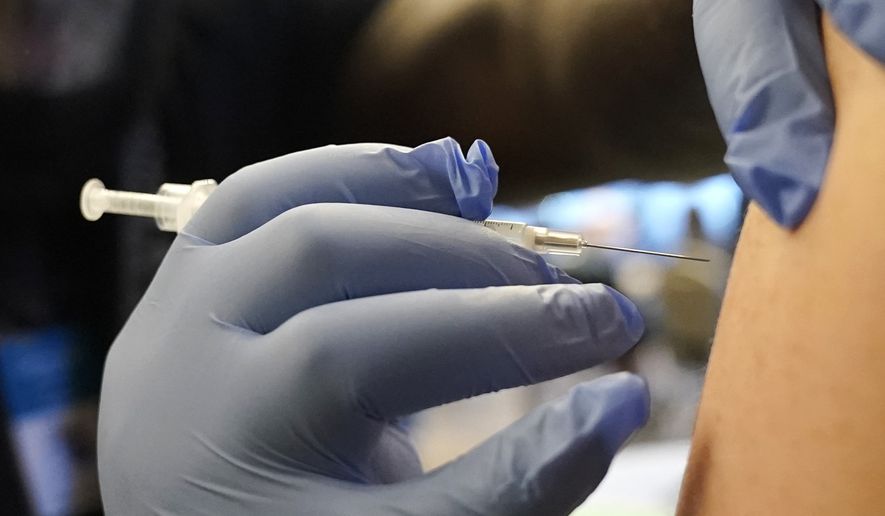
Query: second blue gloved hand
point(317, 298)
point(763, 62)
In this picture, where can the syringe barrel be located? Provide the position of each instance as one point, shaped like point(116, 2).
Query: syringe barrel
point(538, 239)
point(138, 204)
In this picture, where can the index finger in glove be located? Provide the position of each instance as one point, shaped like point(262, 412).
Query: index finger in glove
point(766, 77)
point(435, 177)
point(391, 355)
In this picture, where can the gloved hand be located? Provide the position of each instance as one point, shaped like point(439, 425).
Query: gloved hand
point(289, 328)
point(764, 66)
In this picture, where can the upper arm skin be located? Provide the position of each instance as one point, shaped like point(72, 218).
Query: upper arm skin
point(793, 410)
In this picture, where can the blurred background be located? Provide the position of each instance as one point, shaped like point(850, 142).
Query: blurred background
point(595, 110)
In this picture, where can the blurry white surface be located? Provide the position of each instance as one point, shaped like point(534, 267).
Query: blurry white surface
point(445, 432)
point(644, 480)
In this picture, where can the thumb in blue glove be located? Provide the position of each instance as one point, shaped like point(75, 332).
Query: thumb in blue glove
point(316, 299)
point(763, 62)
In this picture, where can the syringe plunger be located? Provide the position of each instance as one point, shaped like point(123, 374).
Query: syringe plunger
point(171, 207)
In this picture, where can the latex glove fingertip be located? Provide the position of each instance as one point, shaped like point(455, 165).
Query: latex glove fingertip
point(474, 178)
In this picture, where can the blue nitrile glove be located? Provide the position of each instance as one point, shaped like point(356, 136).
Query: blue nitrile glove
point(289, 328)
point(763, 62)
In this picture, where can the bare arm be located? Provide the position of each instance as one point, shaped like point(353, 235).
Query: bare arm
point(793, 408)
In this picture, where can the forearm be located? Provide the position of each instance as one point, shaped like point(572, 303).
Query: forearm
point(794, 403)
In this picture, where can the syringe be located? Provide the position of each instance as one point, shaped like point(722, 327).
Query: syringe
point(548, 241)
point(174, 204)
point(171, 207)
